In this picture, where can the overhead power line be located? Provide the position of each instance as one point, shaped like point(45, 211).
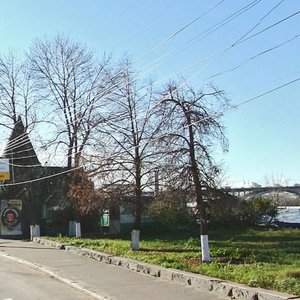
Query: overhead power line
point(270, 27)
point(241, 39)
point(245, 8)
point(266, 93)
point(164, 41)
point(203, 119)
point(267, 51)
point(203, 34)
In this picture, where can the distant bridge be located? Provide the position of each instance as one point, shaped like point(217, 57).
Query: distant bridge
point(257, 191)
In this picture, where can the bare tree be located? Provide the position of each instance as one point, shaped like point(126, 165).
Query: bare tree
point(72, 85)
point(16, 93)
point(128, 154)
point(190, 130)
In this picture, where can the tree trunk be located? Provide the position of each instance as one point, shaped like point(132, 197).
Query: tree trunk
point(135, 234)
point(205, 252)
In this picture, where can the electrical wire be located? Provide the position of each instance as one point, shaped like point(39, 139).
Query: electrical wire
point(267, 51)
point(242, 39)
point(194, 123)
point(234, 68)
point(245, 8)
point(216, 56)
point(180, 30)
point(269, 26)
point(207, 32)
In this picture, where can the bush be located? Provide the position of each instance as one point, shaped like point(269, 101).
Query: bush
point(226, 210)
point(260, 207)
point(170, 209)
point(229, 210)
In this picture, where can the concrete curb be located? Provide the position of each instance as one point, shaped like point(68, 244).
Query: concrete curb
point(53, 274)
point(215, 285)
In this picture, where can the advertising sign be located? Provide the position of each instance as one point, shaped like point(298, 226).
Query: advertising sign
point(4, 169)
point(11, 211)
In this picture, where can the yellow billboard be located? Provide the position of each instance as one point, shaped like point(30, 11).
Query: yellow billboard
point(4, 169)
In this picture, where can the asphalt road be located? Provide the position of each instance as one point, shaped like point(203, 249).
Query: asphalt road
point(103, 281)
point(21, 282)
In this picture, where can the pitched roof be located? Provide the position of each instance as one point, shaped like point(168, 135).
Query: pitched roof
point(19, 146)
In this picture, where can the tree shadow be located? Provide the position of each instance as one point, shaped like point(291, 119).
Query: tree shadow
point(175, 250)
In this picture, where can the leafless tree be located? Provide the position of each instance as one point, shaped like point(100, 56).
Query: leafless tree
point(191, 128)
point(73, 86)
point(16, 93)
point(128, 154)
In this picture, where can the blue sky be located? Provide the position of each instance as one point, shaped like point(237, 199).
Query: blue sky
point(264, 135)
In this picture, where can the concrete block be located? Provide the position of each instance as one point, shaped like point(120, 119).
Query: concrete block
point(181, 278)
point(222, 288)
point(133, 265)
point(124, 263)
point(271, 295)
point(243, 292)
point(166, 274)
point(155, 271)
point(143, 268)
point(201, 282)
point(114, 260)
point(71, 249)
point(98, 257)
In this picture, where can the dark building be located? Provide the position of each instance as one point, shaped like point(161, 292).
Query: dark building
point(33, 190)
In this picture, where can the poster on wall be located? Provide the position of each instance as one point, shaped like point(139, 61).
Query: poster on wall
point(4, 169)
point(11, 211)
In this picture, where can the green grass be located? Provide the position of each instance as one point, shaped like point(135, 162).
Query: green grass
point(258, 258)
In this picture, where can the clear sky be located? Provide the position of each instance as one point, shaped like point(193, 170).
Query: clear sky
point(187, 38)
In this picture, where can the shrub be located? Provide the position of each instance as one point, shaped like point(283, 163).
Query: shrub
point(260, 207)
point(229, 210)
point(170, 208)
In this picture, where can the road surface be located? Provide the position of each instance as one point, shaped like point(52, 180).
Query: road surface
point(99, 279)
point(19, 282)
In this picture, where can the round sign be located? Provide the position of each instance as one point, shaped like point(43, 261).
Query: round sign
point(10, 217)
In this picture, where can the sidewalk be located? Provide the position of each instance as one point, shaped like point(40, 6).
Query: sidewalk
point(110, 277)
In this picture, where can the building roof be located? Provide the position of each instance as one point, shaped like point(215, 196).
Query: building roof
point(19, 147)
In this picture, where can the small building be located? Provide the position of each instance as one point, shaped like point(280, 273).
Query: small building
point(31, 190)
point(119, 210)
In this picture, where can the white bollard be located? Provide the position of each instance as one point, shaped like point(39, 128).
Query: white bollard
point(38, 230)
point(31, 231)
point(78, 229)
point(72, 228)
point(205, 249)
point(135, 240)
point(34, 231)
